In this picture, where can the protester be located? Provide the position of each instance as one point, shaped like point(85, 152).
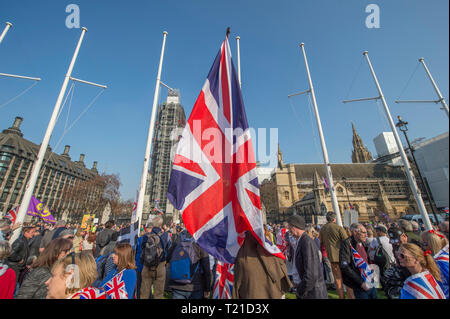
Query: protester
point(258, 274)
point(153, 256)
point(33, 286)
point(331, 236)
point(124, 271)
point(443, 228)
point(351, 268)
point(105, 262)
point(7, 274)
point(104, 237)
point(438, 244)
point(6, 228)
point(424, 273)
point(60, 226)
point(190, 273)
point(383, 241)
point(78, 240)
point(88, 243)
point(407, 229)
point(20, 251)
point(308, 263)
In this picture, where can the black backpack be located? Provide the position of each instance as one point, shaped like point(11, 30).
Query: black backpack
point(381, 257)
point(152, 251)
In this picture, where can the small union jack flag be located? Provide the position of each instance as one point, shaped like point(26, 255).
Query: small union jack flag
point(224, 281)
point(367, 274)
point(12, 214)
point(90, 293)
point(115, 288)
point(421, 286)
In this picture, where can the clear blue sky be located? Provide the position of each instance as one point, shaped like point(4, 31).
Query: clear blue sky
point(122, 50)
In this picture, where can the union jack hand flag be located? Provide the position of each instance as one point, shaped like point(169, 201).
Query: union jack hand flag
point(367, 274)
point(213, 181)
point(421, 286)
point(12, 214)
point(115, 288)
point(223, 284)
point(90, 293)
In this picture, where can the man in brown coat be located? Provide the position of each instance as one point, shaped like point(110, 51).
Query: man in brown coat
point(331, 236)
point(258, 274)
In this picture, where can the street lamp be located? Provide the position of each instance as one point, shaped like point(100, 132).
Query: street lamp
point(402, 126)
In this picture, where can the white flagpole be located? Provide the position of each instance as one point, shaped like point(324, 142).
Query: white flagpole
point(8, 26)
point(324, 147)
point(411, 178)
point(140, 203)
point(441, 98)
point(38, 163)
point(239, 60)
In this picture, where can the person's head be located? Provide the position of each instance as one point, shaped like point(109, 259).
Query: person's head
point(297, 225)
point(67, 234)
point(443, 227)
point(415, 226)
point(405, 225)
point(123, 257)
point(71, 274)
point(311, 232)
point(157, 222)
point(109, 224)
point(28, 232)
point(433, 240)
point(381, 231)
point(56, 249)
point(359, 232)
point(267, 233)
point(414, 258)
point(5, 224)
point(369, 232)
point(91, 237)
point(331, 217)
point(5, 250)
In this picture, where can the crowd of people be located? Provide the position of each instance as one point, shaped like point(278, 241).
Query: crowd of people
point(64, 261)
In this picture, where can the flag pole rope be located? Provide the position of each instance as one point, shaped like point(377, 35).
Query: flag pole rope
point(17, 96)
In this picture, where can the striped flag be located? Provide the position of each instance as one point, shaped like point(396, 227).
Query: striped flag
point(12, 215)
point(421, 286)
point(223, 284)
point(367, 274)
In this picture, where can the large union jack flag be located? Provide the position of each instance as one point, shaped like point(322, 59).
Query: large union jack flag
point(223, 284)
point(213, 181)
point(421, 286)
point(115, 288)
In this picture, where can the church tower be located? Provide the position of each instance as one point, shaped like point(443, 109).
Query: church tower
point(360, 153)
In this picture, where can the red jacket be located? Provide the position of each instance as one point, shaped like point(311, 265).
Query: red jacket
point(7, 282)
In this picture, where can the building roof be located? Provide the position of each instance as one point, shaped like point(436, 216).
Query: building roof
point(355, 171)
point(12, 141)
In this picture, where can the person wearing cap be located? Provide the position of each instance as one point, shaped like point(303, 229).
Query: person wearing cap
point(382, 239)
point(309, 267)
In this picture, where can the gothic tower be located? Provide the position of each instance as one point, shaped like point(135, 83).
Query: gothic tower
point(360, 153)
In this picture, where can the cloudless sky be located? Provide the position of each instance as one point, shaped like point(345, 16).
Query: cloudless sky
point(122, 50)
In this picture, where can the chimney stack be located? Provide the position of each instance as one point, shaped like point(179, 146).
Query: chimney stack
point(81, 158)
point(17, 122)
point(95, 165)
point(66, 150)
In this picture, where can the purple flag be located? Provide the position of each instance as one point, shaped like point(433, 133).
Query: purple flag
point(36, 208)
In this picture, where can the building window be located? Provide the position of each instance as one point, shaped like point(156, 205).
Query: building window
point(286, 195)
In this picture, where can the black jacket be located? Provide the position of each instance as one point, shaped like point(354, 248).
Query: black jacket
point(312, 284)
point(20, 252)
point(350, 273)
point(33, 286)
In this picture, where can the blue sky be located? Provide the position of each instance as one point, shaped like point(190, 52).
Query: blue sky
point(122, 50)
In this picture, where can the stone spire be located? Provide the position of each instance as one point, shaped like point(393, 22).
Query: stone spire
point(280, 158)
point(360, 153)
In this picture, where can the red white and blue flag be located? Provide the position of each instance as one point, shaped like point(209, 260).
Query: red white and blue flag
point(213, 181)
point(12, 215)
point(223, 285)
point(115, 288)
point(367, 274)
point(90, 293)
point(421, 286)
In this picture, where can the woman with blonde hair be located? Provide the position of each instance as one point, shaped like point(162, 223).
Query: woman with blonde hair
point(422, 283)
point(438, 244)
point(124, 272)
point(72, 278)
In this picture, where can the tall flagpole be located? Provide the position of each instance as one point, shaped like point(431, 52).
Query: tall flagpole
point(324, 147)
point(411, 178)
point(38, 162)
point(8, 26)
point(140, 203)
point(441, 98)
point(239, 60)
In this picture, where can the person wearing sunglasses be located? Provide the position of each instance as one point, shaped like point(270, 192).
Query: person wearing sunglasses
point(422, 284)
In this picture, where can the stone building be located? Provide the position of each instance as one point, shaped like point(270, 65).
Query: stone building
point(170, 121)
point(57, 173)
point(371, 188)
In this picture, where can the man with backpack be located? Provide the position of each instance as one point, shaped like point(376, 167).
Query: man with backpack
point(190, 273)
point(103, 238)
point(153, 258)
